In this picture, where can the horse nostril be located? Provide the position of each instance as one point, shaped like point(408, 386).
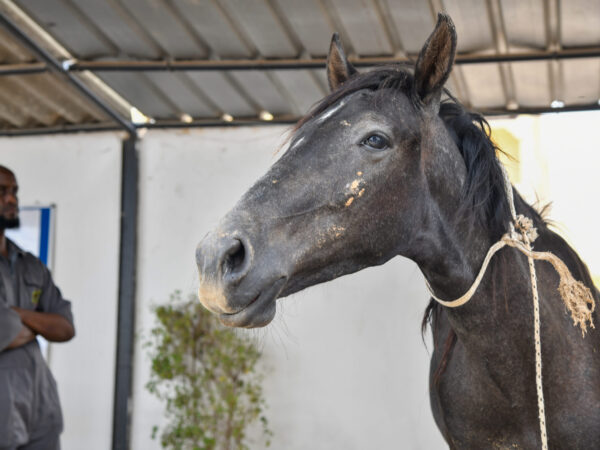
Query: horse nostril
point(234, 259)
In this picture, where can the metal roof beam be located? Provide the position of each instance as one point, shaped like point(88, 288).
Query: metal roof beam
point(287, 64)
point(318, 63)
point(23, 68)
point(291, 119)
point(57, 129)
point(256, 121)
point(58, 67)
point(553, 43)
point(501, 43)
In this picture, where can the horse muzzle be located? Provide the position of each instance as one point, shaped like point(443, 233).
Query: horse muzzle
point(228, 285)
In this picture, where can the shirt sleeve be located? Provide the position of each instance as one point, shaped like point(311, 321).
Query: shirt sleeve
point(50, 297)
point(10, 325)
point(52, 300)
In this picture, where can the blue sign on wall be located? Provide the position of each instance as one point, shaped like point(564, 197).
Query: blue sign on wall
point(35, 233)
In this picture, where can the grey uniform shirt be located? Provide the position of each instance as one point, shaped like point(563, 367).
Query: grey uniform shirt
point(29, 406)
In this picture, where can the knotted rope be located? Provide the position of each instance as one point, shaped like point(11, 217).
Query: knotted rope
point(576, 296)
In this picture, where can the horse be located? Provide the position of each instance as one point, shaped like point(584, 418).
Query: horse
point(388, 164)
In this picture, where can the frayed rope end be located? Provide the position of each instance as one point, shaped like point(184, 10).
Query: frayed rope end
point(579, 301)
point(576, 296)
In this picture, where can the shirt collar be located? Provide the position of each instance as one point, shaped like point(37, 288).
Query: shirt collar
point(14, 250)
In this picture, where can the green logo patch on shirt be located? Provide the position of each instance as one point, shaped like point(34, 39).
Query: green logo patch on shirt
point(35, 296)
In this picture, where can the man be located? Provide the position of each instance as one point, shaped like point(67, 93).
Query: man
point(30, 304)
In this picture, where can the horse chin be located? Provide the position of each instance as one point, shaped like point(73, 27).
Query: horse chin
point(259, 312)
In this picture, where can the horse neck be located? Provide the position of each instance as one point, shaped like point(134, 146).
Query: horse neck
point(502, 305)
point(450, 253)
point(453, 266)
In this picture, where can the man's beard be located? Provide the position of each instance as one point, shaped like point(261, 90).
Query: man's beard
point(9, 223)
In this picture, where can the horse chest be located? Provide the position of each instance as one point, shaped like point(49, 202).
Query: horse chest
point(477, 408)
point(475, 411)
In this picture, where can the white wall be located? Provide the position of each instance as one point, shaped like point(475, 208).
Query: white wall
point(80, 174)
point(572, 148)
point(347, 367)
point(560, 158)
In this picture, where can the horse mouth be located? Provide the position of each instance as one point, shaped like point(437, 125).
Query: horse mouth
point(259, 312)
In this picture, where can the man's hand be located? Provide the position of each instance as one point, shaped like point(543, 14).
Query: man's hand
point(53, 327)
point(25, 335)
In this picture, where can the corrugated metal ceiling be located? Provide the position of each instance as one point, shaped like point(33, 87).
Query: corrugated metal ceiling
point(175, 60)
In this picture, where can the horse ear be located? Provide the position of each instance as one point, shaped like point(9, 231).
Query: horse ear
point(338, 67)
point(435, 60)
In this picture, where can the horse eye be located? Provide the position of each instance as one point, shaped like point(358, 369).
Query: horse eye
point(376, 142)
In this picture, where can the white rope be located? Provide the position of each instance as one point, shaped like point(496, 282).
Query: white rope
point(536, 315)
point(538, 349)
point(469, 294)
point(521, 242)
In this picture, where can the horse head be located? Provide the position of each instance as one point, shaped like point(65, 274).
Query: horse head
point(372, 172)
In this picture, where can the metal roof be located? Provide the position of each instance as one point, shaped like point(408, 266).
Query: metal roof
point(205, 62)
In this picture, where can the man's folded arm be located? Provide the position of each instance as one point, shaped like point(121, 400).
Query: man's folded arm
point(25, 335)
point(10, 327)
point(52, 326)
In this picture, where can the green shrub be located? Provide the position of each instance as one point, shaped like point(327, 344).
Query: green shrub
point(208, 376)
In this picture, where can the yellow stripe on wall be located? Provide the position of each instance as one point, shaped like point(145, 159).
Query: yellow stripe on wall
point(510, 154)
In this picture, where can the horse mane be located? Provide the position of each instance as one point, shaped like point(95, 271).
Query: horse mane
point(484, 200)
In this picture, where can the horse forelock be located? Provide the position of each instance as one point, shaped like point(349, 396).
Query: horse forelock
point(384, 77)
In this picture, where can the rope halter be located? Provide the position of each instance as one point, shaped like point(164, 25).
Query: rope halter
point(576, 296)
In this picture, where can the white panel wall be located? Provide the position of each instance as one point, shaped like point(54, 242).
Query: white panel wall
point(560, 157)
point(572, 148)
point(81, 175)
point(347, 367)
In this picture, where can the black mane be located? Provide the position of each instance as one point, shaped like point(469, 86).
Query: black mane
point(484, 195)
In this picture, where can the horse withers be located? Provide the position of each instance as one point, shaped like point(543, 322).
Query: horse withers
point(383, 167)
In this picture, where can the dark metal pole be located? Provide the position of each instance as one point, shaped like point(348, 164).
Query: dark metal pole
point(255, 121)
point(539, 110)
point(23, 69)
point(127, 290)
point(287, 64)
point(61, 129)
point(317, 63)
point(54, 64)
